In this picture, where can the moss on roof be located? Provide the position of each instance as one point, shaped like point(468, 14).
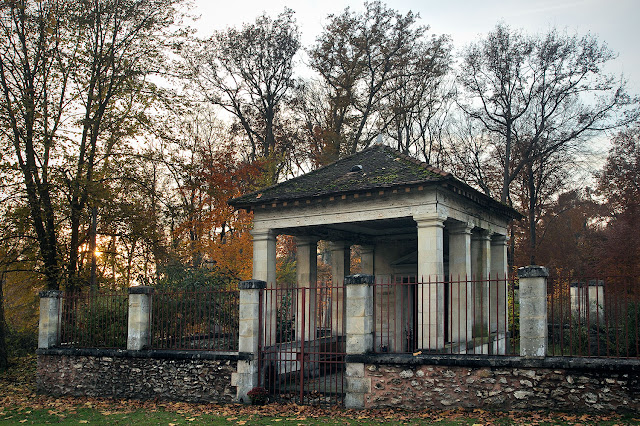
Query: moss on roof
point(382, 167)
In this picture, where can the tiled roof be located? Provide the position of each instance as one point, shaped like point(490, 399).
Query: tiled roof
point(376, 167)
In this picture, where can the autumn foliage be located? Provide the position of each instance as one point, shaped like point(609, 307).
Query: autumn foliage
point(213, 232)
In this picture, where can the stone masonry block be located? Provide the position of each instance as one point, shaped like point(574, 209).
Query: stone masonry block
point(359, 343)
point(359, 385)
point(249, 310)
point(354, 400)
point(354, 369)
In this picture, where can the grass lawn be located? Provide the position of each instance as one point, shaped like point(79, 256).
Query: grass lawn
point(20, 404)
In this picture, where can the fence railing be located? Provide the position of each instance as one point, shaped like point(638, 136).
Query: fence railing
point(94, 320)
point(455, 315)
point(198, 320)
point(593, 316)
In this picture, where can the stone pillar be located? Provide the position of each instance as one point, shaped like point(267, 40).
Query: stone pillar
point(460, 300)
point(430, 332)
point(340, 265)
point(139, 322)
point(498, 290)
point(50, 312)
point(533, 311)
point(264, 269)
point(246, 377)
point(359, 336)
point(307, 276)
point(367, 259)
point(480, 267)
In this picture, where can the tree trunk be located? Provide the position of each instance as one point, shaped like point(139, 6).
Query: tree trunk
point(4, 358)
point(531, 185)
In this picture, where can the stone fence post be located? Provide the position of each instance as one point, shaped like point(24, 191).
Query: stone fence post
point(246, 377)
point(49, 326)
point(359, 339)
point(533, 311)
point(139, 320)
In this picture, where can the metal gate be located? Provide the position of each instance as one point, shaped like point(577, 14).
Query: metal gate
point(302, 344)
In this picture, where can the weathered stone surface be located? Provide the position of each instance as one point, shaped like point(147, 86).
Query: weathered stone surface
point(191, 380)
point(421, 387)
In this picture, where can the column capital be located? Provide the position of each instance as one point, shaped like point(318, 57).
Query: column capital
point(338, 245)
point(263, 234)
point(482, 235)
point(436, 220)
point(499, 239)
point(305, 240)
point(460, 228)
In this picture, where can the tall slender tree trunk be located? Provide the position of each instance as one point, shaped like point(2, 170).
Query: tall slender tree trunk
point(4, 357)
point(531, 186)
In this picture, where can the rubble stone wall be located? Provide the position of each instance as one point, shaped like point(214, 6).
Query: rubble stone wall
point(119, 374)
point(588, 389)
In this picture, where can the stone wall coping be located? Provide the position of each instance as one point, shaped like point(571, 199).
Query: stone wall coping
point(152, 353)
point(141, 289)
point(50, 293)
point(252, 285)
point(532, 271)
point(359, 279)
point(570, 363)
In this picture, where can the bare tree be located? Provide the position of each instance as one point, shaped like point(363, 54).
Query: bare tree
point(540, 94)
point(541, 97)
point(363, 61)
point(420, 102)
point(248, 72)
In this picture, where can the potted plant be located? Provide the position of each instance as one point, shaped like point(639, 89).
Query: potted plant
point(258, 395)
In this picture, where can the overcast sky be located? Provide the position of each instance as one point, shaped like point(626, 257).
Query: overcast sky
point(613, 21)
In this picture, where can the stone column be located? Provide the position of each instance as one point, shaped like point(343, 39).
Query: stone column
point(367, 259)
point(430, 332)
point(359, 336)
point(264, 269)
point(50, 312)
point(498, 290)
point(139, 322)
point(460, 300)
point(307, 276)
point(533, 311)
point(480, 267)
point(340, 264)
point(246, 377)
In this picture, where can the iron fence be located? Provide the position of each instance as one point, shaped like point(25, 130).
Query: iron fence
point(302, 338)
point(94, 320)
point(195, 320)
point(593, 316)
point(447, 316)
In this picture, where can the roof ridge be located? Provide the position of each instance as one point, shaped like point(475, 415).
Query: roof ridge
point(312, 172)
point(419, 163)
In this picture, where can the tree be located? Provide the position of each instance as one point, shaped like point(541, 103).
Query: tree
point(419, 104)
point(364, 61)
point(248, 73)
point(73, 86)
point(203, 171)
point(619, 184)
point(540, 96)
